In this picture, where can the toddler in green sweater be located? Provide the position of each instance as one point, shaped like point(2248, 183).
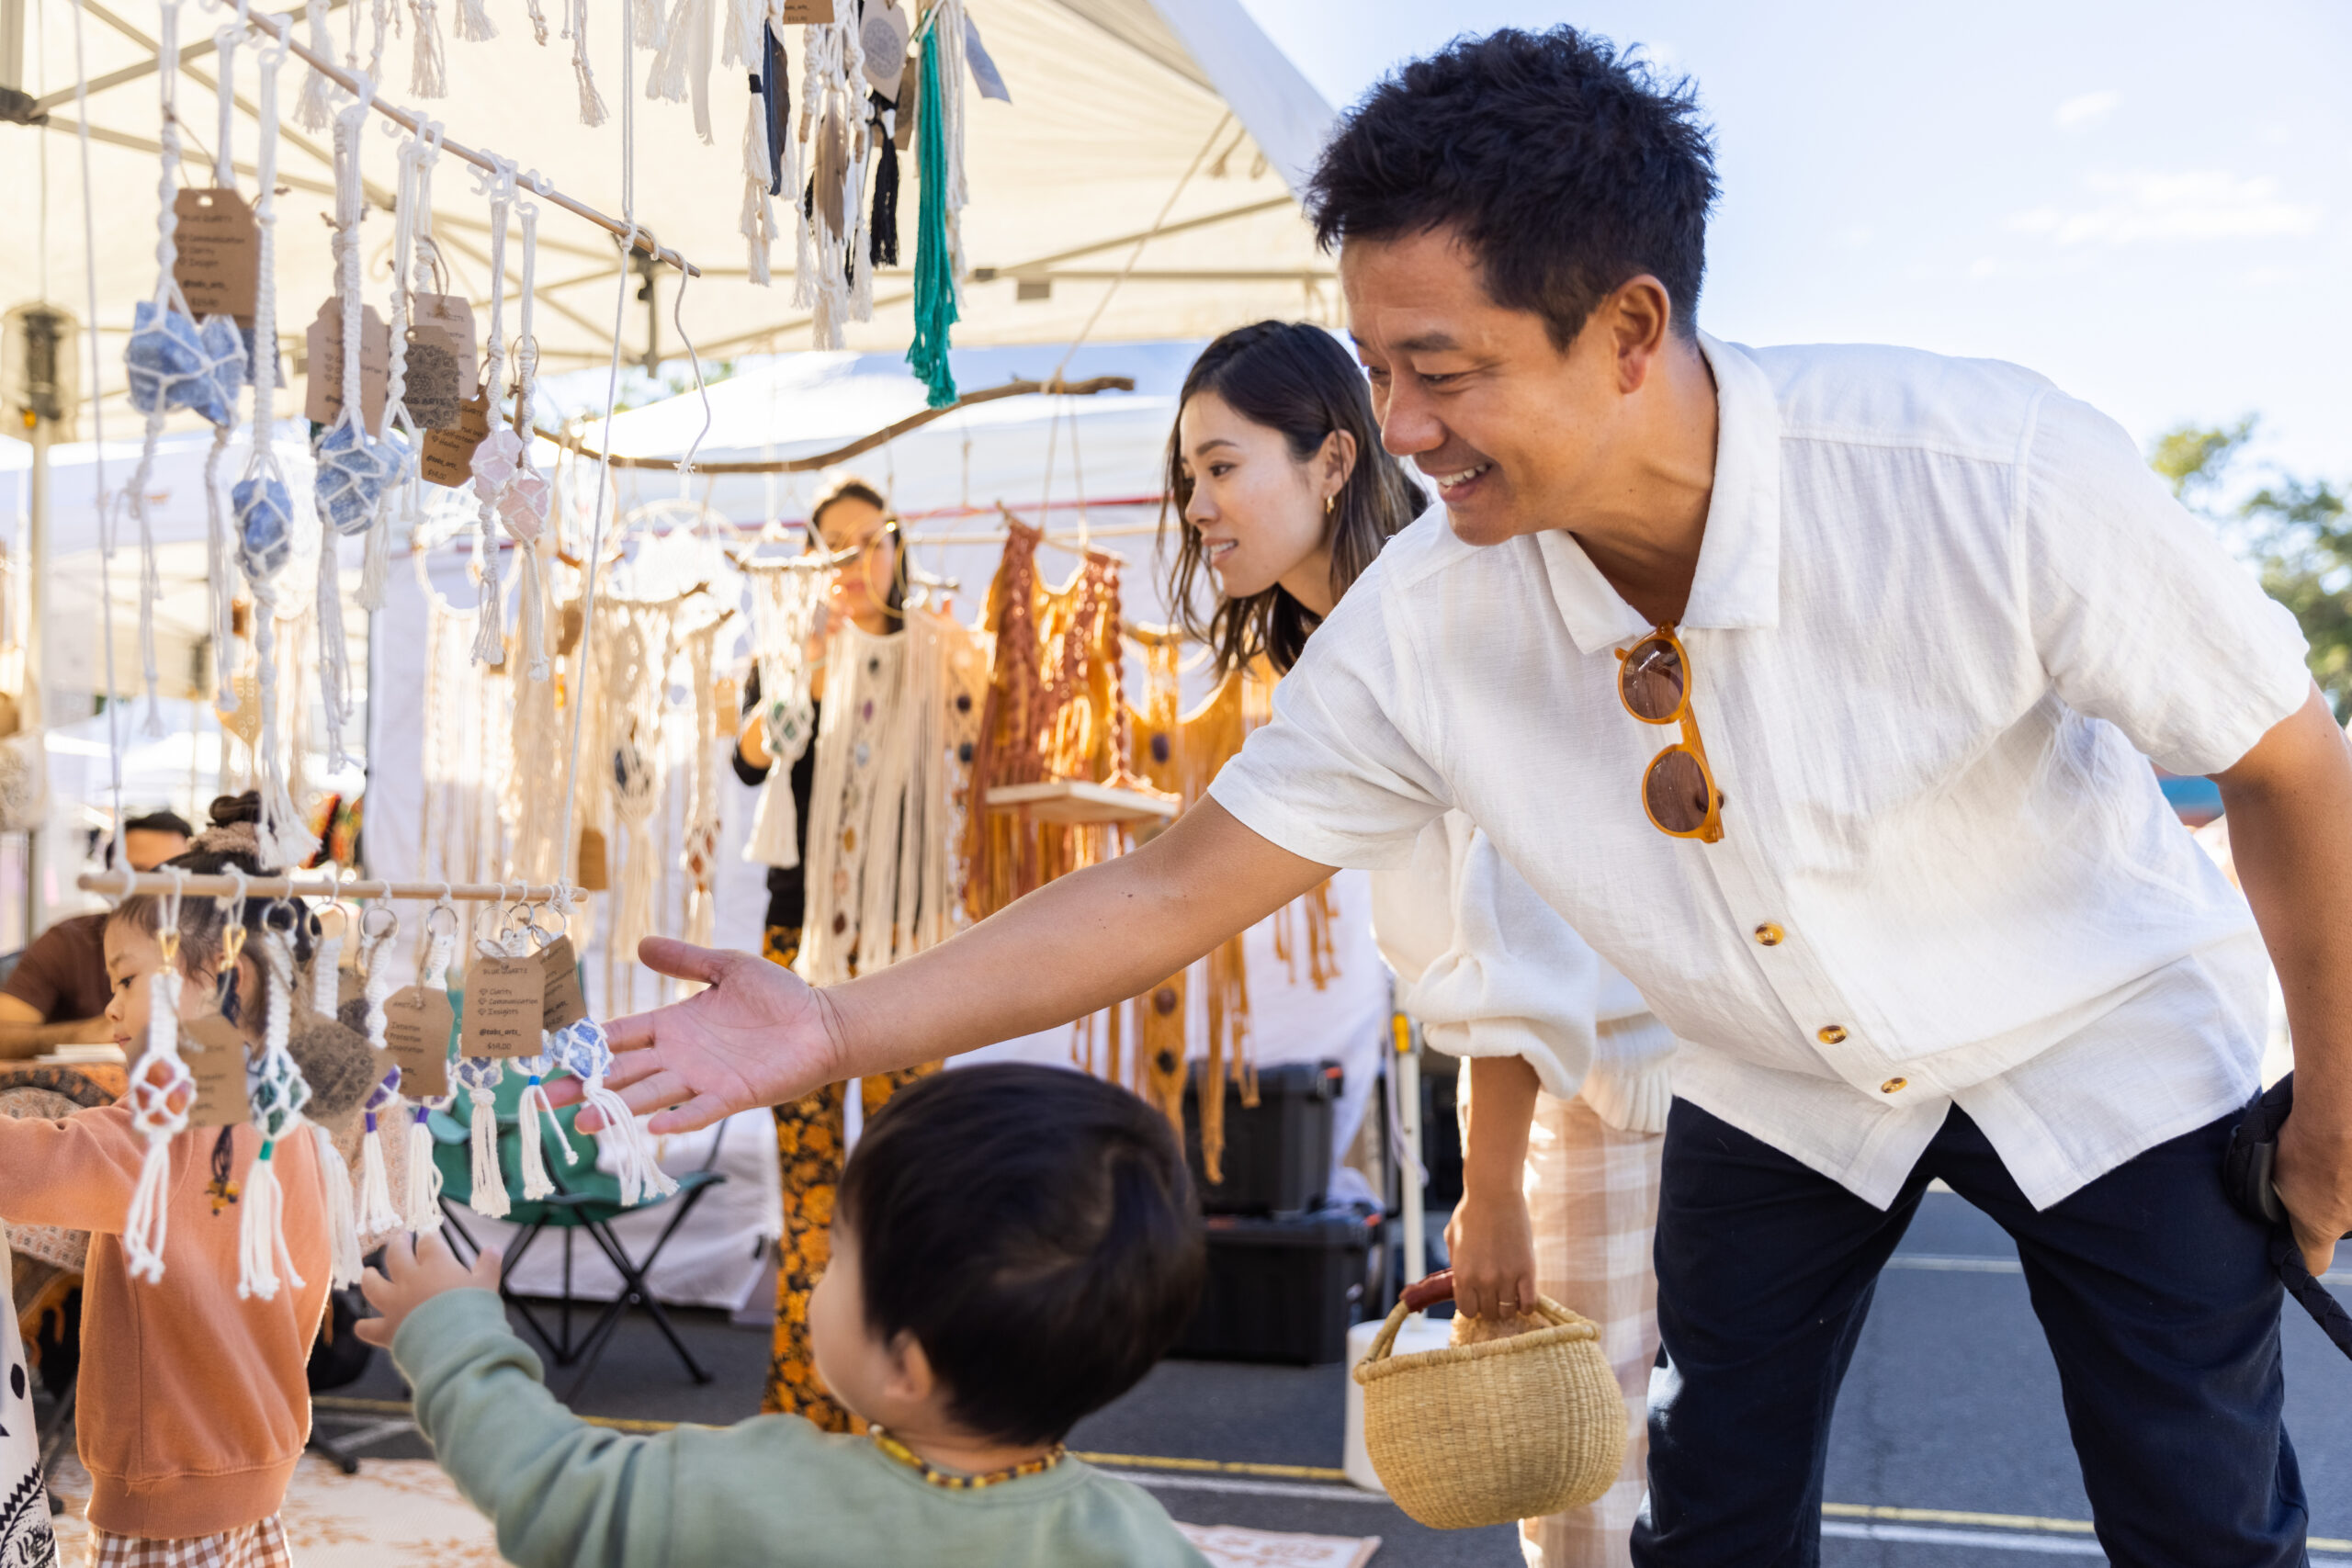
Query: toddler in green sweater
point(1014, 1246)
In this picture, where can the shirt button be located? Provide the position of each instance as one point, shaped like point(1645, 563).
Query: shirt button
point(1768, 934)
point(1894, 1086)
point(1831, 1034)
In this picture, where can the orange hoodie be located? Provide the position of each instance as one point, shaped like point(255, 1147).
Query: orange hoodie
point(194, 1405)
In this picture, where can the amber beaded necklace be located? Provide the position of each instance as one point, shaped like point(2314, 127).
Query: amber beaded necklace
point(957, 1481)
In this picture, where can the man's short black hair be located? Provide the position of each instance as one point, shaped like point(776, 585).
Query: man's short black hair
point(1034, 1230)
point(1564, 163)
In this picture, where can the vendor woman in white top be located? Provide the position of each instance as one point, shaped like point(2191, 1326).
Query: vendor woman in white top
point(1815, 688)
point(1275, 468)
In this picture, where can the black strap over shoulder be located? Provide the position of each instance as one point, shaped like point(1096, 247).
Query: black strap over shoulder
point(2247, 1171)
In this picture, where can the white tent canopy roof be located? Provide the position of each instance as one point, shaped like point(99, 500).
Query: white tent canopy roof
point(1113, 102)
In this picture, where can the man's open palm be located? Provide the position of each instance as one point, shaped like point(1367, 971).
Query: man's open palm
point(758, 1036)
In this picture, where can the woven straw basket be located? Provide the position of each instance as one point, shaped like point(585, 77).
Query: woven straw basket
point(1483, 1434)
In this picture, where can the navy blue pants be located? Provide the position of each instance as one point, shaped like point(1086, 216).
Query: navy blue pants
point(2156, 1296)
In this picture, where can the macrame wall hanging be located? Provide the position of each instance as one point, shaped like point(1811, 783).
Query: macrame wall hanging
point(754, 43)
point(938, 108)
point(698, 856)
point(833, 276)
point(634, 645)
point(890, 793)
point(785, 601)
point(1056, 713)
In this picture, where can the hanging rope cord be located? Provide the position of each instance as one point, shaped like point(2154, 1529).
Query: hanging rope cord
point(567, 849)
point(98, 441)
point(1053, 427)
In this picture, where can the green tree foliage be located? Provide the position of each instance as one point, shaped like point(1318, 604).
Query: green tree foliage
point(2293, 530)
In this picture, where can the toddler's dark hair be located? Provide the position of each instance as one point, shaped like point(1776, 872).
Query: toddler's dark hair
point(1035, 1229)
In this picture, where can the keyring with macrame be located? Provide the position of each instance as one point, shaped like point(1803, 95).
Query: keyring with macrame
point(162, 1092)
point(276, 1093)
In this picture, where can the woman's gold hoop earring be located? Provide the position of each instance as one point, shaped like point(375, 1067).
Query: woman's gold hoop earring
point(1330, 503)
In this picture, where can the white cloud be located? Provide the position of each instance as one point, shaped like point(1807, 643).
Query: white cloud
point(2198, 204)
point(2087, 108)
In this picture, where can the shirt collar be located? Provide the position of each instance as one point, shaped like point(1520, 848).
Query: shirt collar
point(1738, 580)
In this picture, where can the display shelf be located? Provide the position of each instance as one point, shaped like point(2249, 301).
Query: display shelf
point(1077, 802)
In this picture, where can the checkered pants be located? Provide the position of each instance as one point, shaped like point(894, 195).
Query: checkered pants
point(1593, 1194)
point(261, 1545)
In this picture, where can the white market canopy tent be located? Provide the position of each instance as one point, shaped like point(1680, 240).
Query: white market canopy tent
point(1117, 105)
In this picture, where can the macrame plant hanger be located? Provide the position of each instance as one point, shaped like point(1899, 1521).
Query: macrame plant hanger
point(261, 504)
point(358, 471)
point(173, 360)
point(411, 222)
point(162, 1092)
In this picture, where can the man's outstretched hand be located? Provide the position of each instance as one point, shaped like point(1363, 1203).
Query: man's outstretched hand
point(760, 1036)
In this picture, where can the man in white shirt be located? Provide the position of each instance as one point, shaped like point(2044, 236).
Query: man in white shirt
point(1872, 829)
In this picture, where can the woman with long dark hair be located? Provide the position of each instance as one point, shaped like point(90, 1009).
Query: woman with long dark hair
point(1279, 498)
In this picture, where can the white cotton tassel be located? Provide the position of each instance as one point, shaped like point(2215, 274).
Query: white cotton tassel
point(473, 22)
point(311, 111)
point(758, 223)
point(261, 1233)
point(530, 1112)
point(429, 75)
point(636, 1169)
point(489, 1197)
point(343, 1224)
point(144, 1231)
point(645, 18)
point(667, 79)
point(421, 1197)
point(575, 28)
point(376, 1214)
point(261, 1224)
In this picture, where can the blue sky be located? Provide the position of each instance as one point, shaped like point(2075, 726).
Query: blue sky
point(2150, 202)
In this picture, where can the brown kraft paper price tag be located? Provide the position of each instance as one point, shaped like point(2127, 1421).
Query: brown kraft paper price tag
point(417, 1021)
point(506, 999)
point(809, 13)
point(215, 1054)
point(349, 984)
point(902, 123)
point(449, 456)
point(219, 265)
point(565, 1005)
point(440, 366)
point(322, 398)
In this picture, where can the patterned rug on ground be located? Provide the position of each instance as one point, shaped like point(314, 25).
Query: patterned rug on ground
point(405, 1511)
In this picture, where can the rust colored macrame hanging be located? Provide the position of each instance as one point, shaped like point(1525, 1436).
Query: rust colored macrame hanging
point(1056, 712)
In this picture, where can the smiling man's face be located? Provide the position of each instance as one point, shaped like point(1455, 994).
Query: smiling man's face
point(1512, 431)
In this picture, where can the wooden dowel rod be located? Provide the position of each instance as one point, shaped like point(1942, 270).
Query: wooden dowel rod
point(281, 28)
point(193, 887)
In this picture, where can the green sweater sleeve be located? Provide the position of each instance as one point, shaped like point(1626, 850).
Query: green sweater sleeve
point(560, 1490)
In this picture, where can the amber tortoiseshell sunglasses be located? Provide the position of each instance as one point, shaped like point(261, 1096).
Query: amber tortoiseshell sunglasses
point(1678, 787)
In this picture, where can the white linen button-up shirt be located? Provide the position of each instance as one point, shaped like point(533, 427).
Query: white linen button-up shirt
point(1939, 611)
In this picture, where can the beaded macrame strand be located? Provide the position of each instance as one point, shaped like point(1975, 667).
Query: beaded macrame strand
point(833, 275)
point(261, 504)
point(275, 1088)
point(218, 544)
point(163, 1091)
point(493, 460)
point(173, 360)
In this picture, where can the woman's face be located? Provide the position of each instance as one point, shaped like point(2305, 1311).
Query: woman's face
point(1260, 511)
point(862, 587)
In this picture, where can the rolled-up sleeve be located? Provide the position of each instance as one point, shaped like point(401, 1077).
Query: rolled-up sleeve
point(2139, 614)
point(1342, 774)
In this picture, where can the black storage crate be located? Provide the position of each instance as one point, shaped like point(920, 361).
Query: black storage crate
point(1282, 1290)
point(1278, 1154)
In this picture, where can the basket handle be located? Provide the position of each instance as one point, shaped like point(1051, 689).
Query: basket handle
point(1438, 1286)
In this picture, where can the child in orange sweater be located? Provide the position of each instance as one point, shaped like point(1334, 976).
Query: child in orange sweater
point(194, 1407)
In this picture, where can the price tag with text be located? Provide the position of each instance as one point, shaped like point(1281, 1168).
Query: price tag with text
point(215, 1053)
point(417, 1022)
point(506, 999)
point(565, 1005)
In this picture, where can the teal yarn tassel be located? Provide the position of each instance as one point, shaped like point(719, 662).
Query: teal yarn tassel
point(934, 283)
